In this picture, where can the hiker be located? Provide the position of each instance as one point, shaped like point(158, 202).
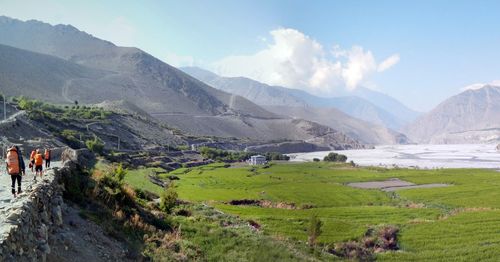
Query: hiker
point(32, 160)
point(47, 158)
point(38, 163)
point(15, 167)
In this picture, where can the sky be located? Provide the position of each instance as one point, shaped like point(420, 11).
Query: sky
point(420, 52)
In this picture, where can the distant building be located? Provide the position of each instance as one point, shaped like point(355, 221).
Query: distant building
point(257, 160)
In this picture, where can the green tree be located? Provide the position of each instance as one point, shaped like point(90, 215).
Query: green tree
point(334, 157)
point(168, 199)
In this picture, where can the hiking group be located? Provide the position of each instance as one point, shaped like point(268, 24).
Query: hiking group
point(16, 168)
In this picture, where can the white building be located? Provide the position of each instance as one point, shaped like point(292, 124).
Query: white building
point(257, 160)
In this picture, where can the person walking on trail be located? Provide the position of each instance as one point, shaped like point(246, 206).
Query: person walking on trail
point(15, 168)
point(32, 160)
point(47, 157)
point(38, 163)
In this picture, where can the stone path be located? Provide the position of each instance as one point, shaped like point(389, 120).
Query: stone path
point(6, 198)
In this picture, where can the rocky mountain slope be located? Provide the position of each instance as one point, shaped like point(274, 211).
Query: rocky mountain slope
point(471, 116)
point(363, 103)
point(70, 65)
point(353, 127)
point(300, 104)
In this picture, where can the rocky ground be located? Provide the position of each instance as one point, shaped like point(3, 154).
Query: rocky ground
point(82, 240)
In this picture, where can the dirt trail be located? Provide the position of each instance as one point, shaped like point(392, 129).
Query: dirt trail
point(12, 117)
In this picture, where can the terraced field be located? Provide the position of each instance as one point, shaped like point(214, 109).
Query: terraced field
point(458, 222)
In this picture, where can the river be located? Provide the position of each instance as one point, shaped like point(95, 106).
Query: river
point(422, 156)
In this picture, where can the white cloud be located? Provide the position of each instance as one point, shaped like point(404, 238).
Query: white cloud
point(295, 60)
point(359, 65)
point(388, 63)
point(480, 85)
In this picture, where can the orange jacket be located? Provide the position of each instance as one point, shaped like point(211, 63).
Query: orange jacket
point(38, 159)
point(47, 154)
point(32, 156)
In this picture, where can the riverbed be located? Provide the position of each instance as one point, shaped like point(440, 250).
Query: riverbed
point(421, 156)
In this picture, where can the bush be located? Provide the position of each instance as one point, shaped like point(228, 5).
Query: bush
point(168, 199)
point(276, 156)
point(95, 145)
point(70, 137)
point(314, 230)
point(334, 157)
point(183, 147)
point(316, 159)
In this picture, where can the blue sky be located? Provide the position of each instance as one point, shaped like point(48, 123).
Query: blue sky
point(435, 47)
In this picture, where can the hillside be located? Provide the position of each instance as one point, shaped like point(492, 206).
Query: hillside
point(89, 70)
point(472, 116)
point(300, 104)
point(364, 104)
point(363, 131)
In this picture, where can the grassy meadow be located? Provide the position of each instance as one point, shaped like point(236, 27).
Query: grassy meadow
point(459, 222)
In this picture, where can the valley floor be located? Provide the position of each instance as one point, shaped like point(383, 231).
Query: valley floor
point(422, 156)
point(456, 222)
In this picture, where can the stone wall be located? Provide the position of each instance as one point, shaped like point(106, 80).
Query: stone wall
point(25, 226)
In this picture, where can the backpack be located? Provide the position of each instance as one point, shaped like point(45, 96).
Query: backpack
point(38, 160)
point(13, 162)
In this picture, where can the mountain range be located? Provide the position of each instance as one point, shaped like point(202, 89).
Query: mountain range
point(62, 64)
point(362, 103)
point(337, 112)
point(472, 116)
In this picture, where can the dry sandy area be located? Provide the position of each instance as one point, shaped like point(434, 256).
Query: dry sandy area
point(393, 184)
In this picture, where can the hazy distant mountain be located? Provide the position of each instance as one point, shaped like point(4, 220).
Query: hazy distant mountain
point(361, 130)
point(72, 65)
point(252, 90)
point(387, 103)
point(297, 103)
point(355, 106)
point(472, 116)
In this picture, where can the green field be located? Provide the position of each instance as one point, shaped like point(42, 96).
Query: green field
point(459, 222)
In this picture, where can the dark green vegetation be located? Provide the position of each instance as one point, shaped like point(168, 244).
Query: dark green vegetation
point(237, 156)
point(334, 157)
point(458, 222)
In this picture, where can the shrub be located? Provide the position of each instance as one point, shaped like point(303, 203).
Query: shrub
point(334, 157)
point(70, 137)
point(95, 145)
point(168, 199)
point(314, 230)
point(316, 159)
point(183, 147)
